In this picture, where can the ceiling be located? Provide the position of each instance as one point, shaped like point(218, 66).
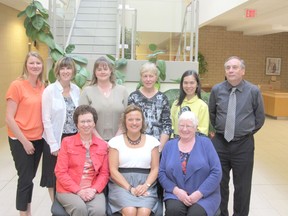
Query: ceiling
point(271, 16)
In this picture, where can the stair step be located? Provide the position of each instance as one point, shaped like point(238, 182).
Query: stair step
point(91, 10)
point(95, 24)
point(93, 32)
point(93, 40)
point(91, 49)
point(97, 17)
point(99, 4)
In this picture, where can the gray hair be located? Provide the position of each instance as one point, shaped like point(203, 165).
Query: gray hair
point(188, 115)
point(242, 63)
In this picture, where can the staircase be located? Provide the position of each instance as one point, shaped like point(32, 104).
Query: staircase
point(94, 32)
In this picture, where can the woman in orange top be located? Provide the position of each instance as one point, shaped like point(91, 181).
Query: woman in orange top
point(25, 129)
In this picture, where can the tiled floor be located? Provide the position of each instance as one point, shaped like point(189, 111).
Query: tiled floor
point(270, 180)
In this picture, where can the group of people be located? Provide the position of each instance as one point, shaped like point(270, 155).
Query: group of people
point(103, 138)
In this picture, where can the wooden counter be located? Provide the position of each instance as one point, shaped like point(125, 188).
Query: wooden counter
point(276, 103)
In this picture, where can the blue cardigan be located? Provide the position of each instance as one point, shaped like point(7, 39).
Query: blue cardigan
point(204, 172)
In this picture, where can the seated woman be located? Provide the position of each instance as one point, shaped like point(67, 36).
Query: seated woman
point(133, 163)
point(190, 172)
point(82, 167)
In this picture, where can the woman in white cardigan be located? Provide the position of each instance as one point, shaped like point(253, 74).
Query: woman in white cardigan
point(59, 100)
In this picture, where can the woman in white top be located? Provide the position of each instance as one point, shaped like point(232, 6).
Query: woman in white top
point(133, 164)
point(59, 101)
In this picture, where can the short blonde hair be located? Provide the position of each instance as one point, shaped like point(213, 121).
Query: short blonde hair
point(149, 67)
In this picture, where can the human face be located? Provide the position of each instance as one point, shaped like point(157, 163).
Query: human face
point(190, 85)
point(148, 79)
point(103, 72)
point(65, 74)
point(134, 122)
point(233, 71)
point(85, 124)
point(34, 66)
point(186, 129)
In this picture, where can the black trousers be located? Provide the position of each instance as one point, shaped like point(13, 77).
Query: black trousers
point(237, 156)
point(26, 166)
point(178, 208)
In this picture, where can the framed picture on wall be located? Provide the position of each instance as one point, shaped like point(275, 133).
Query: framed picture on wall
point(273, 66)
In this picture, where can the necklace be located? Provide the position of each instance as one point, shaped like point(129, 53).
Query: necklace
point(134, 142)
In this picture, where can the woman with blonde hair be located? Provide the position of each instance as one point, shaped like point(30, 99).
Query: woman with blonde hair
point(24, 122)
point(154, 104)
point(59, 101)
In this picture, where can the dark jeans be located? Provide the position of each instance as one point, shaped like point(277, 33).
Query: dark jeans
point(176, 207)
point(237, 156)
point(26, 166)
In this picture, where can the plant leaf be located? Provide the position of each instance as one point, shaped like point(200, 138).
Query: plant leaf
point(51, 75)
point(78, 59)
point(69, 49)
point(56, 55)
point(38, 22)
point(161, 65)
point(30, 11)
point(40, 7)
point(59, 49)
point(47, 39)
point(121, 64)
point(111, 57)
point(21, 13)
point(152, 47)
point(84, 72)
point(80, 80)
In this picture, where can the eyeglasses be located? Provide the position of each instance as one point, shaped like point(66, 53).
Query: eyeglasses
point(86, 121)
point(189, 127)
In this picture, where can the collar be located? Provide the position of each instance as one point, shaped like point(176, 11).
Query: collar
point(78, 142)
point(193, 99)
point(239, 87)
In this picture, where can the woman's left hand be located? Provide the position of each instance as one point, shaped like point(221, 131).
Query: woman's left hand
point(141, 190)
point(195, 197)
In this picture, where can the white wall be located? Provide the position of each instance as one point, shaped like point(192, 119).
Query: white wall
point(211, 8)
point(158, 15)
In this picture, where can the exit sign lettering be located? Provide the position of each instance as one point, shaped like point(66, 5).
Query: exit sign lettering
point(250, 13)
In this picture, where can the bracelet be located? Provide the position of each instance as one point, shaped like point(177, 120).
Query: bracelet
point(148, 185)
point(129, 189)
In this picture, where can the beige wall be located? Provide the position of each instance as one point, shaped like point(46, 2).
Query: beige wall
point(217, 44)
point(14, 47)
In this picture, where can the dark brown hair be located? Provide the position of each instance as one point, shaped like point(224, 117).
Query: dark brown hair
point(84, 109)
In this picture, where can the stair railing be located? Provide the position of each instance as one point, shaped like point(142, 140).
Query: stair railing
point(121, 27)
point(193, 9)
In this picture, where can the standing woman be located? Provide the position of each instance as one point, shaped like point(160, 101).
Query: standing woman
point(190, 100)
point(108, 98)
point(59, 100)
point(154, 104)
point(24, 122)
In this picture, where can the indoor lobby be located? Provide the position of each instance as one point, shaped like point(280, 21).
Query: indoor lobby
point(269, 185)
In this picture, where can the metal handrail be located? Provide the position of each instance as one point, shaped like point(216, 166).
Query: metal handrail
point(194, 5)
point(121, 26)
point(73, 23)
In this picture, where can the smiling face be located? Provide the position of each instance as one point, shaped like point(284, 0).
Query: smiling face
point(234, 71)
point(148, 79)
point(103, 72)
point(186, 129)
point(65, 74)
point(85, 124)
point(34, 66)
point(189, 86)
point(134, 122)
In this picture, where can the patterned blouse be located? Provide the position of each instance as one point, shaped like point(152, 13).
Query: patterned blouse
point(184, 160)
point(156, 112)
point(69, 126)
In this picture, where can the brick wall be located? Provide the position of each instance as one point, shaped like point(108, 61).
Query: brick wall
point(217, 44)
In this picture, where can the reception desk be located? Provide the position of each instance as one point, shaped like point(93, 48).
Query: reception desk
point(276, 104)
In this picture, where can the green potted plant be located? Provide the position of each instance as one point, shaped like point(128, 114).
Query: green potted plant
point(38, 29)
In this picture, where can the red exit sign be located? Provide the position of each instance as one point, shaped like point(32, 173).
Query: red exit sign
point(250, 13)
